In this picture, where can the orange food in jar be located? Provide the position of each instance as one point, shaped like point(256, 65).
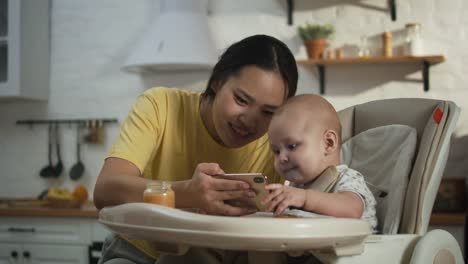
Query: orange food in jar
point(159, 192)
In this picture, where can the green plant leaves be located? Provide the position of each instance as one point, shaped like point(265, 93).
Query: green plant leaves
point(315, 31)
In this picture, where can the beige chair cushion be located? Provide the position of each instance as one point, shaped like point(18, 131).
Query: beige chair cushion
point(384, 155)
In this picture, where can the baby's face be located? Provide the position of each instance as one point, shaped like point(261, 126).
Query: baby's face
point(298, 148)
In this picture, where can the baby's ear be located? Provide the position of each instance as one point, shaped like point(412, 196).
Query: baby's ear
point(331, 141)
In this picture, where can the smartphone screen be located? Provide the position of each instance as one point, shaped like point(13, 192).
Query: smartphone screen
point(257, 182)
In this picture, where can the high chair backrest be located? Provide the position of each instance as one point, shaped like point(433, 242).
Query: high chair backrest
point(434, 122)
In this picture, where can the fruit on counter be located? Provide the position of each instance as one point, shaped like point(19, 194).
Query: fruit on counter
point(80, 193)
point(59, 193)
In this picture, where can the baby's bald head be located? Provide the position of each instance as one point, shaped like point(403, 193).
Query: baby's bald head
point(313, 110)
point(304, 135)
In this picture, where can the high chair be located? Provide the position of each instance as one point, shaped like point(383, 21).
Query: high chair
point(406, 196)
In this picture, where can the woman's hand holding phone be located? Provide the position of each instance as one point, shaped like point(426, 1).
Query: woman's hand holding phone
point(257, 183)
point(210, 193)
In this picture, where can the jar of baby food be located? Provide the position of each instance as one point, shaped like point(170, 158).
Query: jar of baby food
point(159, 192)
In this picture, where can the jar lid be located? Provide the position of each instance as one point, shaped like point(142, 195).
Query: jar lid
point(158, 185)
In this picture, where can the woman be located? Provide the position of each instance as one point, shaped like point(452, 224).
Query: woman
point(188, 137)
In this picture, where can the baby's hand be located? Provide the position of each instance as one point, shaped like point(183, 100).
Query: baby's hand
point(281, 197)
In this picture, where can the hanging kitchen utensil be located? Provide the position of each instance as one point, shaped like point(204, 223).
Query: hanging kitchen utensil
point(100, 132)
point(43, 194)
point(92, 135)
point(48, 170)
point(59, 166)
point(87, 137)
point(77, 170)
point(94, 131)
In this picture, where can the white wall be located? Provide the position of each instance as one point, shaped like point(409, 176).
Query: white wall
point(90, 40)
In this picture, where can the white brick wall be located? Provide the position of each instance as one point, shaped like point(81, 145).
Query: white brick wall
point(90, 40)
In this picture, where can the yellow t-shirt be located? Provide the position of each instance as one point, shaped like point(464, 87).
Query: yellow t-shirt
point(165, 138)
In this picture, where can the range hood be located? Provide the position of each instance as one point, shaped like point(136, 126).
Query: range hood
point(179, 39)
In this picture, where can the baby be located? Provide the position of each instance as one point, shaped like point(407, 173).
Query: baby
point(305, 136)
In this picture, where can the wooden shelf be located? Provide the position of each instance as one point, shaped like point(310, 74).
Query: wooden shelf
point(425, 61)
point(433, 59)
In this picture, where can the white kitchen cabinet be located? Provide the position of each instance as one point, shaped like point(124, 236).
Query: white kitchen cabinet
point(24, 49)
point(42, 254)
point(48, 239)
point(10, 253)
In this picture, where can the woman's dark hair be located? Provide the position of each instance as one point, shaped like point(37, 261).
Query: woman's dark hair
point(262, 51)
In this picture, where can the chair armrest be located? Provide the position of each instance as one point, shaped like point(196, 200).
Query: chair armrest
point(438, 247)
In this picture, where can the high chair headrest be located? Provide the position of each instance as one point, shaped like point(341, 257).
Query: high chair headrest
point(384, 155)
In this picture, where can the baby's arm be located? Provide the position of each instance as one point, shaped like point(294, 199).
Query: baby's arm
point(340, 204)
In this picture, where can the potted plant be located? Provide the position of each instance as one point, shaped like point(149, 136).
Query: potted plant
point(315, 38)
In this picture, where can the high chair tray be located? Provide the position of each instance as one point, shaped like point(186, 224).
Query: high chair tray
point(262, 233)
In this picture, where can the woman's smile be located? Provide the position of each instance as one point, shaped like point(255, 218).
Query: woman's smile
point(241, 131)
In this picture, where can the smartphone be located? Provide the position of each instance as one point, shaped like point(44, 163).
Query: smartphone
point(257, 182)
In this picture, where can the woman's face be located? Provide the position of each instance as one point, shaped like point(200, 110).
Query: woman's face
point(242, 108)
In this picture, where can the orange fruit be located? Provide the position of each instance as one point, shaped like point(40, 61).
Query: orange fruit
point(80, 193)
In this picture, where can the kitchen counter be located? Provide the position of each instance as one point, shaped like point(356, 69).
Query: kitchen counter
point(36, 210)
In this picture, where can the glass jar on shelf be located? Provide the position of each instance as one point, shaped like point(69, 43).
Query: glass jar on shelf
point(364, 51)
point(413, 43)
point(159, 192)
